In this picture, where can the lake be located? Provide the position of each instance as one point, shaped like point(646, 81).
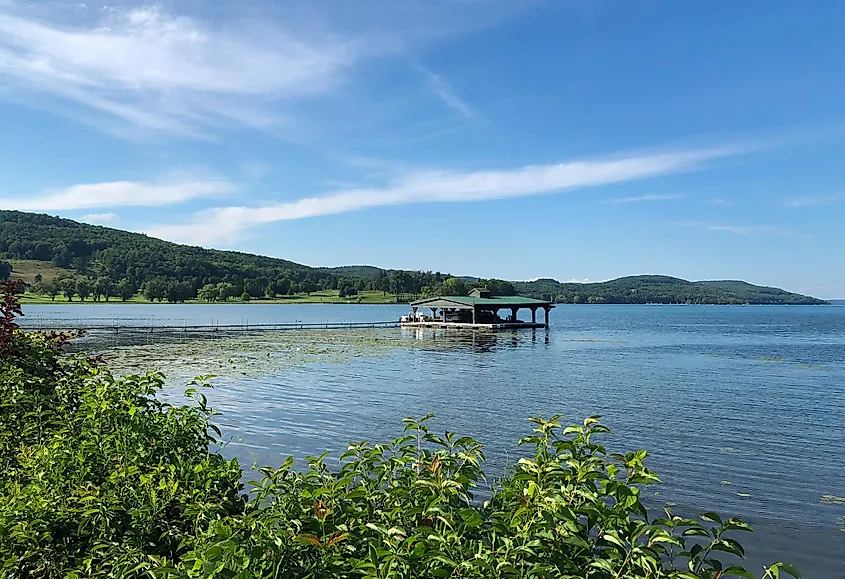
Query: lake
point(742, 408)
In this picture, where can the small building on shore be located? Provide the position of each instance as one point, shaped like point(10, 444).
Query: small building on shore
point(479, 309)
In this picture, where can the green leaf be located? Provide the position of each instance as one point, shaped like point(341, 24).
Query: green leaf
point(729, 546)
point(737, 571)
point(787, 568)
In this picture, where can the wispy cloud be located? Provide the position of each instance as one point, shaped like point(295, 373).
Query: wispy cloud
point(814, 200)
point(643, 198)
point(152, 69)
point(100, 218)
point(444, 92)
point(226, 224)
point(121, 194)
point(745, 230)
point(145, 67)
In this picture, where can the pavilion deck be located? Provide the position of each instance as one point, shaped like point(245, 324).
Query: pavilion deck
point(479, 310)
point(477, 326)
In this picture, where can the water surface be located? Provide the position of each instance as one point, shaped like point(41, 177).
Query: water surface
point(742, 408)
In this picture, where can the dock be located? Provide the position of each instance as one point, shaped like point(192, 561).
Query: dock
point(58, 326)
point(476, 326)
point(479, 310)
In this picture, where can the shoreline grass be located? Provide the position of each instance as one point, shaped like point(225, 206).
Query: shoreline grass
point(320, 297)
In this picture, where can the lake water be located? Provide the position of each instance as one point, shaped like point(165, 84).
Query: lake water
point(741, 408)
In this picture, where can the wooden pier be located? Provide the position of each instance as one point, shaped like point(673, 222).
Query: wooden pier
point(206, 328)
point(476, 326)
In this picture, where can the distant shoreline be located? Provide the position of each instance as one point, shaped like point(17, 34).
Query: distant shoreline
point(344, 303)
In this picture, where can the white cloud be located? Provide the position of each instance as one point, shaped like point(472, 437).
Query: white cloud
point(100, 218)
point(247, 64)
point(444, 92)
point(149, 68)
point(121, 194)
point(745, 230)
point(226, 224)
point(643, 198)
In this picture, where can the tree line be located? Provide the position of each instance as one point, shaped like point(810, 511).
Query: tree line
point(655, 289)
point(116, 261)
point(104, 263)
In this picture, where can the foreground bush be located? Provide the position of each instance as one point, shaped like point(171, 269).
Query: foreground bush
point(101, 479)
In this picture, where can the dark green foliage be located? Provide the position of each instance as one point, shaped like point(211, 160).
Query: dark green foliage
point(346, 287)
point(658, 289)
point(83, 288)
point(5, 270)
point(149, 264)
point(131, 260)
point(97, 476)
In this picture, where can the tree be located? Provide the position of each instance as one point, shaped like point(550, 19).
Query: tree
point(283, 286)
point(454, 287)
point(68, 287)
point(103, 287)
point(38, 278)
point(245, 297)
point(62, 256)
point(178, 292)
point(156, 288)
point(225, 290)
point(270, 291)
point(5, 270)
point(346, 288)
point(209, 293)
point(49, 288)
point(83, 288)
point(80, 264)
point(125, 290)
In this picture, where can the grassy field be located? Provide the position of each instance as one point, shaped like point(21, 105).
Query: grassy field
point(321, 297)
point(27, 269)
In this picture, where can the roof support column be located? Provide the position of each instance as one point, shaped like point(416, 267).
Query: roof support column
point(534, 315)
point(546, 309)
point(513, 314)
point(474, 314)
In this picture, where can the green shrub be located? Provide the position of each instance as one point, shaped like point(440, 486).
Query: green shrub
point(98, 475)
point(99, 478)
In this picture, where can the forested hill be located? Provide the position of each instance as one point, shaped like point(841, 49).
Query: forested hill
point(659, 289)
point(104, 261)
point(124, 263)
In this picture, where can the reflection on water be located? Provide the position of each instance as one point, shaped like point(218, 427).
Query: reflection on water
point(742, 408)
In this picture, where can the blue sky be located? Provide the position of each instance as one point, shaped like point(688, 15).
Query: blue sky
point(570, 139)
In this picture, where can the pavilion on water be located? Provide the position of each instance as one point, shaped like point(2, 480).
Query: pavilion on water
point(479, 309)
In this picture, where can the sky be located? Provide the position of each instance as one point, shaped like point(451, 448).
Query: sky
point(578, 140)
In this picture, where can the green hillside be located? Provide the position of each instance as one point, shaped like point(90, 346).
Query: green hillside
point(57, 256)
point(659, 289)
point(124, 263)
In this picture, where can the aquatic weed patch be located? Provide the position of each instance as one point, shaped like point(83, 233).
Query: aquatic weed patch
point(250, 355)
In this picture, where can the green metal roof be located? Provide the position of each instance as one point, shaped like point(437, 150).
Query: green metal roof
point(470, 301)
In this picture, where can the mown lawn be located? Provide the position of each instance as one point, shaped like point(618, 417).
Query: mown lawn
point(321, 297)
